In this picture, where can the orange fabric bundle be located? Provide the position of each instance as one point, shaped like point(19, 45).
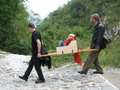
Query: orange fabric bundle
point(77, 57)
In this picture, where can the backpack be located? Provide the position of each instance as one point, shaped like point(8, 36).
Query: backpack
point(107, 36)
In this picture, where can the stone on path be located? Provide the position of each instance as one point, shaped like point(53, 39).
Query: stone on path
point(63, 78)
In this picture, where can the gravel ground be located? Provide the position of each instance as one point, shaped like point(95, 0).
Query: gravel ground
point(113, 76)
point(13, 65)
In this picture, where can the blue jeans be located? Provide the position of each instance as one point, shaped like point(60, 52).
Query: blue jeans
point(61, 43)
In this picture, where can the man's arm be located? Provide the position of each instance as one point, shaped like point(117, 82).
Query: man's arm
point(39, 48)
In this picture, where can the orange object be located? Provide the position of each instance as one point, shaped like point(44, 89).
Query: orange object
point(77, 57)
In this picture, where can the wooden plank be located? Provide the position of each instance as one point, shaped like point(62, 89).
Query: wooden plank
point(71, 48)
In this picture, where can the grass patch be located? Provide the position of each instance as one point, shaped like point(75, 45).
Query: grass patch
point(61, 60)
point(2, 53)
point(110, 57)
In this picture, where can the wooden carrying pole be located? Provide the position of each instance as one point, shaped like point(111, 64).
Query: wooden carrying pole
point(84, 50)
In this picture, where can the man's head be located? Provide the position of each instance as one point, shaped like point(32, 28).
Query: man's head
point(95, 18)
point(31, 27)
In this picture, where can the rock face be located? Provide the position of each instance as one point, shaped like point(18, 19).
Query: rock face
point(63, 78)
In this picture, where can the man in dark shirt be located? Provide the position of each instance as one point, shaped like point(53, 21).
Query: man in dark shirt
point(36, 47)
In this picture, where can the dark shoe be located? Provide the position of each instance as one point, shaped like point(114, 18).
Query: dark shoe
point(81, 72)
point(39, 81)
point(24, 78)
point(96, 72)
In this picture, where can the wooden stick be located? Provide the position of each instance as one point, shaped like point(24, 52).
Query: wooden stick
point(85, 50)
point(51, 54)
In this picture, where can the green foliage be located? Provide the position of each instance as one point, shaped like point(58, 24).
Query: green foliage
point(13, 23)
point(110, 56)
point(52, 36)
point(68, 20)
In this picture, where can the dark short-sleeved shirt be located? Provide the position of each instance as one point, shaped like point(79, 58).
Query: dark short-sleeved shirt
point(35, 35)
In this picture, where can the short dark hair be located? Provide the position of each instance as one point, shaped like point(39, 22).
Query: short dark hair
point(31, 25)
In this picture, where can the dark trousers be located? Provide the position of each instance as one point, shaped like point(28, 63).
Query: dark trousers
point(36, 62)
point(92, 59)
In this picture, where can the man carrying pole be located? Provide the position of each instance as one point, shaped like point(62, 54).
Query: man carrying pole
point(35, 59)
point(98, 44)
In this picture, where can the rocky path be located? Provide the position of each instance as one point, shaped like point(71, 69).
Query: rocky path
point(63, 78)
point(113, 76)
